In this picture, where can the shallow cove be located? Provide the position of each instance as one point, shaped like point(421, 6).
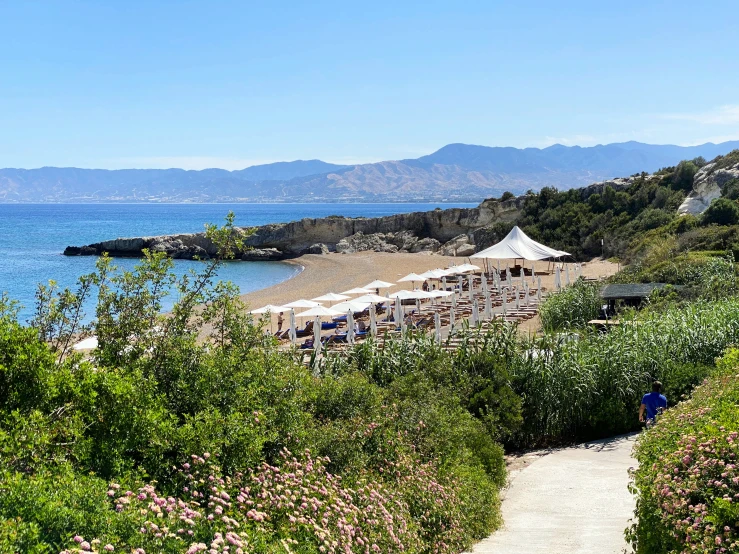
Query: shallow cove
point(35, 235)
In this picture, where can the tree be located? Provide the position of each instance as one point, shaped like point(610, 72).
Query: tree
point(682, 179)
point(722, 211)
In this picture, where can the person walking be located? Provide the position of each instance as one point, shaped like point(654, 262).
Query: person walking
point(653, 403)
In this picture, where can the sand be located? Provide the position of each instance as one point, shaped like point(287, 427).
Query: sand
point(340, 272)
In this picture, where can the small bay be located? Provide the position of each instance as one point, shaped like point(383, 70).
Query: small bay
point(35, 235)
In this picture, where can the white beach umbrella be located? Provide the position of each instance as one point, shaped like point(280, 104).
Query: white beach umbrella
point(378, 285)
point(440, 293)
point(488, 307)
point(518, 298)
point(398, 312)
point(526, 293)
point(484, 283)
point(358, 290)
point(317, 335)
point(434, 274)
point(293, 328)
point(475, 319)
point(418, 305)
point(388, 307)
point(302, 303)
point(557, 279)
point(411, 278)
point(371, 299)
point(90, 343)
point(567, 275)
point(437, 327)
point(269, 308)
point(347, 305)
point(331, 297)
point(410, 294)
point(350, 327)
point(373, 321)
point(505, 301)
point(454, 300)
point(443, 282)
point(320, 311)
point(538, 291)
point(451, 317)
point(471, 287)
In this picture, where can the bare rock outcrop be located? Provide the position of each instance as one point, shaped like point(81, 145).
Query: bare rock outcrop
point(709, 183)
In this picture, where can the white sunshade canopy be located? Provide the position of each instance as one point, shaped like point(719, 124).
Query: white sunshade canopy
point(302, 303)
point(378, 285)
point(90, 343)
point(439, 293)
point(271, 308)
point(350, 305)
point(410, 294)
point(434, 274)
point(371, 298)
point(411, 277)
point(358, 290)
point(320, 311)
point(331, 297)
point(518, 245)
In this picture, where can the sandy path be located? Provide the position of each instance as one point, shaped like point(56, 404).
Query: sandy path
point(570, 501)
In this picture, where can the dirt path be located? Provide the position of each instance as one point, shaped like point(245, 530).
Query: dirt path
point(570, 501)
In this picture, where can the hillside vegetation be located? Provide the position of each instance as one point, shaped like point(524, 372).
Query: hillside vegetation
point(632, 219)
point(166, 440)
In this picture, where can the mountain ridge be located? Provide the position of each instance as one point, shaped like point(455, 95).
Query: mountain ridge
point(454, 172)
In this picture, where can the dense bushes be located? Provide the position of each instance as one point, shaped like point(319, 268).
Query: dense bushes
point(629, 219)
point(387, 453)
point(687, 483)
point(571, 307)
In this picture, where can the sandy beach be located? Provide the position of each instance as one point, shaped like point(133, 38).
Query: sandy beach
point(340, 272)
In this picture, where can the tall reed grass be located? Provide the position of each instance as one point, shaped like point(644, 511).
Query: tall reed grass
point(591, 385)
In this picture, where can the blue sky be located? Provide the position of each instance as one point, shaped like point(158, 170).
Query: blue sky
point(231, 84)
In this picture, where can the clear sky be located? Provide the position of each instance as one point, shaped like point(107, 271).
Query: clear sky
point(197, 84)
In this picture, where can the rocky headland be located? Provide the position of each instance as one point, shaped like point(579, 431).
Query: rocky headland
point(449, 232)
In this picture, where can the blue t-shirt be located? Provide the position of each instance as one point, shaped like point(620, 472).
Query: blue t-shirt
point(653, 401)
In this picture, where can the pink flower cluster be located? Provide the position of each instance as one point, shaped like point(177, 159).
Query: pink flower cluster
point(696, 485)
point(295, 502)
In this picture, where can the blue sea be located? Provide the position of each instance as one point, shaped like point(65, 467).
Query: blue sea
point(33, 237)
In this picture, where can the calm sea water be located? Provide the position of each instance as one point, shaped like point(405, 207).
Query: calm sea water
point(33, 237)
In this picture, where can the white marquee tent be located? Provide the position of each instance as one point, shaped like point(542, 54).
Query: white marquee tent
point(517, 245)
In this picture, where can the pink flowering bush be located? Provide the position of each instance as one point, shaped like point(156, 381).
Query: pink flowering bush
point(297, 505)
point(687, 484)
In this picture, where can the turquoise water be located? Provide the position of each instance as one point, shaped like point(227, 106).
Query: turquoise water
point(33, 237)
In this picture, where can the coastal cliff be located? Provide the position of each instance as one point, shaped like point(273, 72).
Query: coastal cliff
point(449, 231)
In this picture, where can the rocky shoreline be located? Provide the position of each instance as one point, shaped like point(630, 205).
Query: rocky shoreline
point(451, 232)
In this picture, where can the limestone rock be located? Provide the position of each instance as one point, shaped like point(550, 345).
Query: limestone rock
point(426, 245)
point(262, 255)
point(707, 186)
point(452, 247)
point(318, 248)
point(359, 242)
point(465, 250)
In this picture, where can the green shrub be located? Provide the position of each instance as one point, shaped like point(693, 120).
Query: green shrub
point(722, 211)
point(571, 307)
point(687, 482)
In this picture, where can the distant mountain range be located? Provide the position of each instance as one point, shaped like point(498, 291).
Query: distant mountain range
point(456, 172)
